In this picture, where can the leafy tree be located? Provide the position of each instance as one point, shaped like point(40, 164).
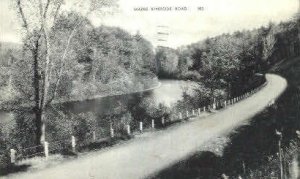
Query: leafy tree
point(167, 61)
point(38, 19)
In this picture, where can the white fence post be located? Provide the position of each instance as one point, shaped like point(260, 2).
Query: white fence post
point(112, 134)
point(163, 121)
point(180, 115)
point(204, 109)
point(199, 111)
point(187, 113)
point(12, 156)
point(214, 105)
point(153, 124)
point(193, 111)
point(128, 129)
point(73, 142)
point(46, 149)
point(141, 126)
point(225, 104)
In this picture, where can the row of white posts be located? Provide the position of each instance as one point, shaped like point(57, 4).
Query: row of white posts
point(112, 133)
point(13, 152)
point(193, 113)
point(141, 126)
point(216, 104)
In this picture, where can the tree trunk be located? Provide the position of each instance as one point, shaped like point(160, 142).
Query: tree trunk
point(93, 73)
point(39, 132)
point(43, 128)
point(47, 75)
point(38, 125)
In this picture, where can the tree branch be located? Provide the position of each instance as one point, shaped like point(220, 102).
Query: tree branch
point(46, 9)
point(25, 24)
point(62, 63)
point(47, 71)
point(57, 10)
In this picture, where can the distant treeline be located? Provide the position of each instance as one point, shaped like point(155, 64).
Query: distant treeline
point(227, 62)
point(99, 60)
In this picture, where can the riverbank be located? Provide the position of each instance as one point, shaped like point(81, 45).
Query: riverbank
point(106, 91)
point(147, 155)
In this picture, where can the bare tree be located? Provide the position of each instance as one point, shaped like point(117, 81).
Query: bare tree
point(38, 18)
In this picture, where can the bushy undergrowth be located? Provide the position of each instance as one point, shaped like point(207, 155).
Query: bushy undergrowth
point(62, 124)
point(271, 169)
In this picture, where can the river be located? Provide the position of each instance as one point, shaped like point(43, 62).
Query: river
point(168, 93)
point(104, 108)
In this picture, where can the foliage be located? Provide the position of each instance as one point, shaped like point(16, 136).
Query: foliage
point(272, 170)
point(167, 61)
point(229, 62)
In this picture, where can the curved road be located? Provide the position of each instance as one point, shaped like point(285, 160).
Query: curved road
point(151, 152)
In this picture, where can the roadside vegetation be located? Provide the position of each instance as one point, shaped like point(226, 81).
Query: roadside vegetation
point(65, 58)
point(286, 111)
point(253, 151)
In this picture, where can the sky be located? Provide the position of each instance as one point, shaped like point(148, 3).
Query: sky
point(199, 20)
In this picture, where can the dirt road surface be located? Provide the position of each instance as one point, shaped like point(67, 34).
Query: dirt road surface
point(149, 153)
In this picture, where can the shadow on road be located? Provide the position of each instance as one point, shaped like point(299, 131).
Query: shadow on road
point(204, 165)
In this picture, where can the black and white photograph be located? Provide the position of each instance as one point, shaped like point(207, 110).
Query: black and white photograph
point(150, 89)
